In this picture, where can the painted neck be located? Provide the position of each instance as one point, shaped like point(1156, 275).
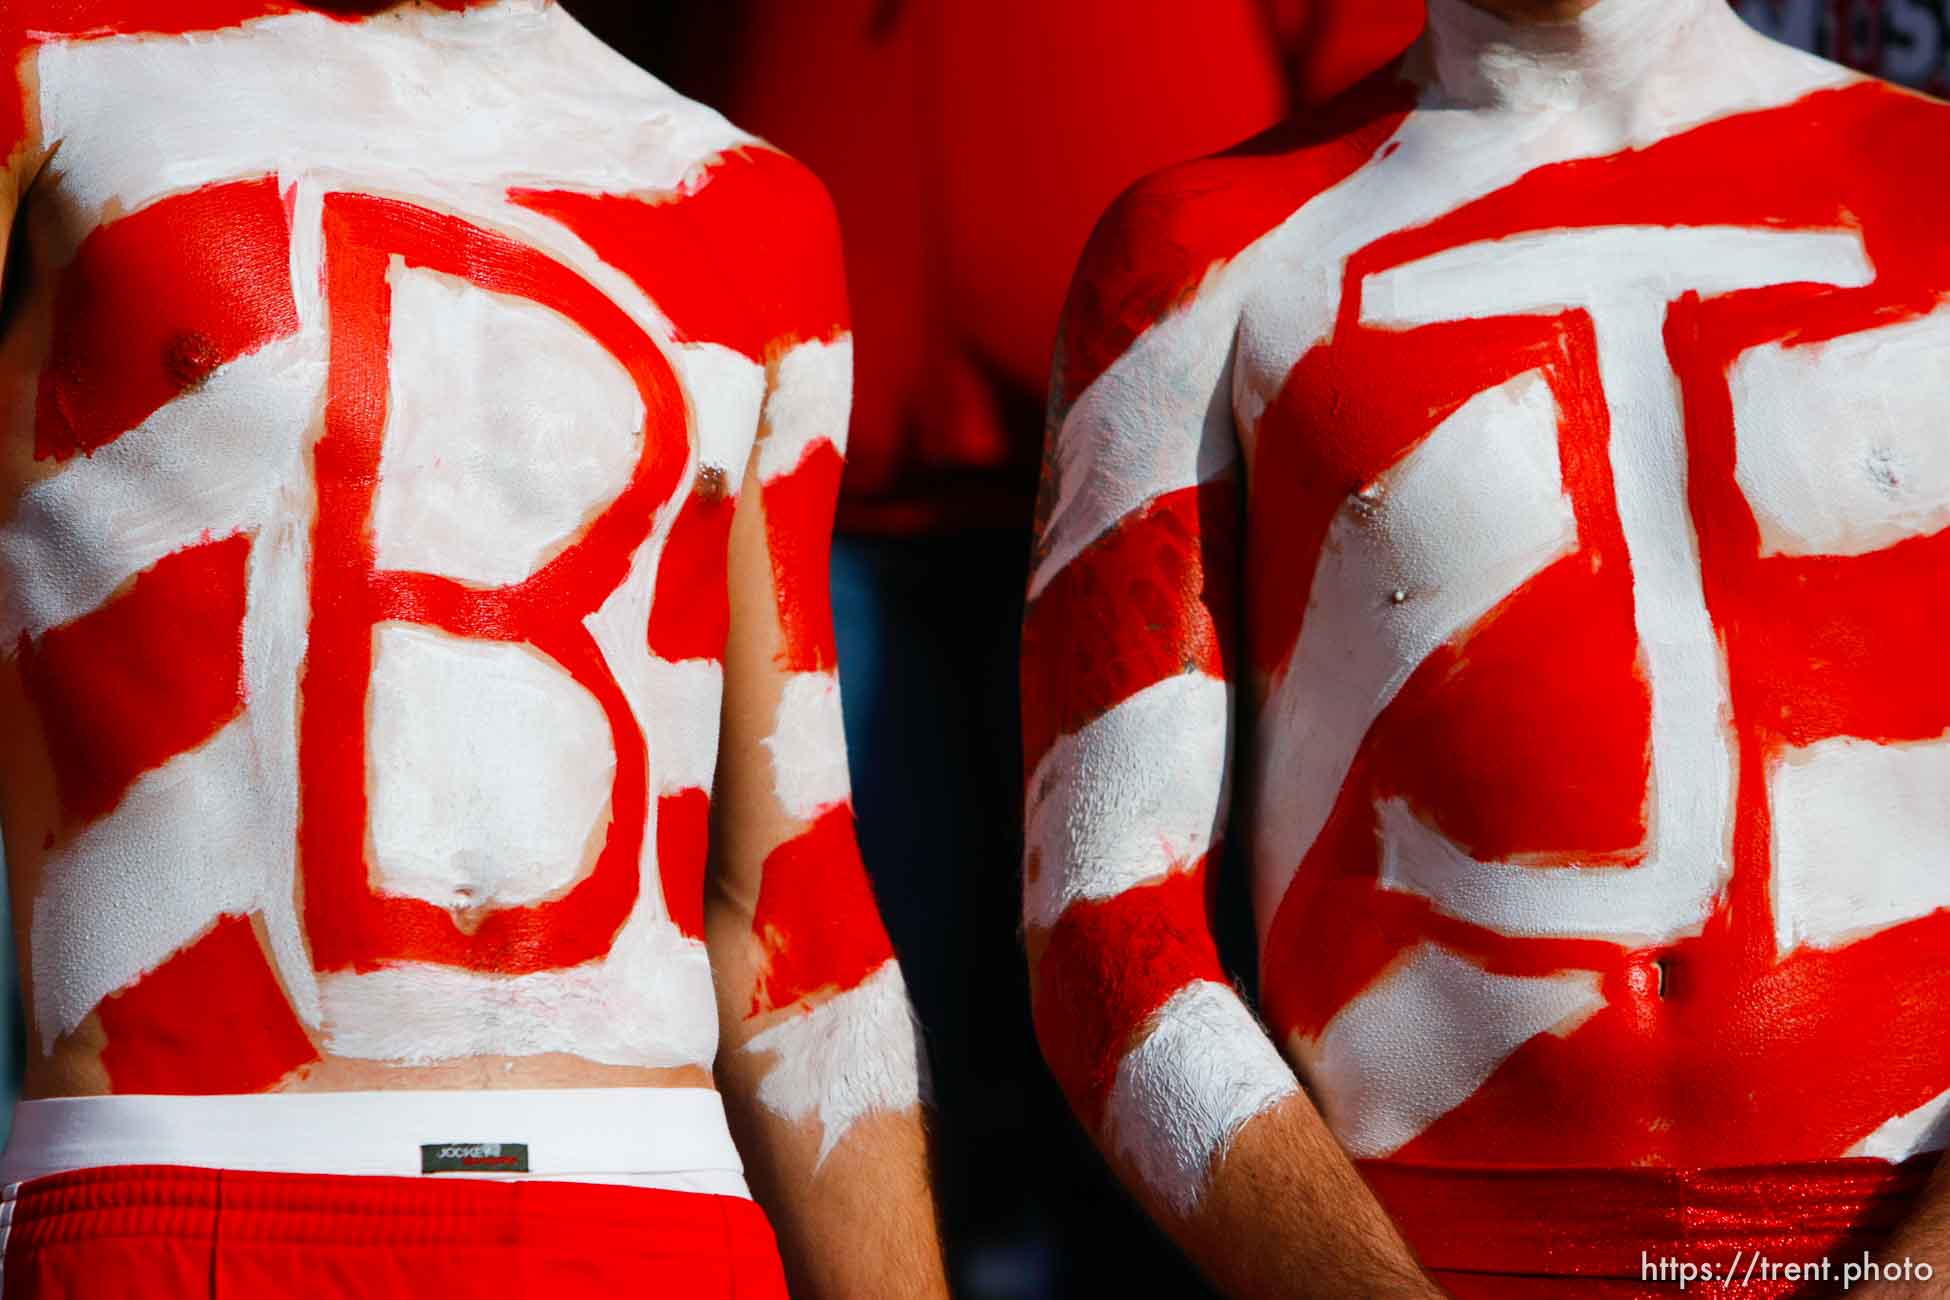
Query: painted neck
point(1608, 51)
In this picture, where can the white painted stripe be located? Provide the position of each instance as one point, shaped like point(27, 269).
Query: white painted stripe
point(1135, 795)
point(208, 464)
point(1156, 421)
point(684, 703)
point(810, 401)
point(394, 102)
point(649, 1002)
point(857, 1054)
point(128, 891)
point(1624, 277)
point(1182, 1095)
point(508, 430)
point(1627, 273)
point(1860, 838)
point(1927, 1128)
point(490, 771)
point(276, 624)
point(1469, 515)
point(676, 704)
point(727, 393)
point(1841, 446)
point(1424, 1037)
point(305, 198)
point(118, 899)
point(808, 746)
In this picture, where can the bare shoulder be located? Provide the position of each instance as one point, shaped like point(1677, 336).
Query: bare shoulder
point(737, 242)
point(743, 175)
point(1164, 235)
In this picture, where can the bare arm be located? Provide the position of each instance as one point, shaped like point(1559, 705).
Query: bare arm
point(820, 1062)
point(1128, 685)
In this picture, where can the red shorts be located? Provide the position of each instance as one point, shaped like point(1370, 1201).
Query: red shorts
point(1624, 1234)
point(163, 1233)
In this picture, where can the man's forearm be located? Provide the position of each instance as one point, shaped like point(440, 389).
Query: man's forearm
point(1175, 1078)
point(824, 1097)
point(857, 1220)
point(1287, 1215)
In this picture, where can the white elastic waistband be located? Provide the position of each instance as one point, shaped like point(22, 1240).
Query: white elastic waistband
point(570, 1133)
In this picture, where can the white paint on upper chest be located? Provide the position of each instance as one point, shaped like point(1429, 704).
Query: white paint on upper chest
point(507, 430)
point(1842, 446)
point(489, 99)
point(1163, 416)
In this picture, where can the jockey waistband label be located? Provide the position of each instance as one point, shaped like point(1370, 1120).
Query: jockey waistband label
point(474, 1158)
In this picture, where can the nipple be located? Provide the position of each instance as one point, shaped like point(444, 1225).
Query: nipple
point(713, 485)
point(189, 359)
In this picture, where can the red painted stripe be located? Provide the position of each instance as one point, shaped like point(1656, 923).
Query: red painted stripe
point(348, 924)
point(1108, 967)
point(816, 918)
point(1158, 242)
point(799, 509)
point(691, 612)
point(51, 20)
point(57, 20)
point(745, 254)
point(156, 671)
point(155, 302)
point(1732, 1067)
point(1152, 598)
point(1484, 719)
point(211, 1020)
point(683, 849)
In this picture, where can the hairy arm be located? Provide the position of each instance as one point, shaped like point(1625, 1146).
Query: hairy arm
point(1128, 696)
point(820, 1063)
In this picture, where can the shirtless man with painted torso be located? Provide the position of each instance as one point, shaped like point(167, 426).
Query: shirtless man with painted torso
point(423, 433)
point(1544, 449)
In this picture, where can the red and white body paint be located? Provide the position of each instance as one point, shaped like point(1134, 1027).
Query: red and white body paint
point(849, 1047)
point(381, 388)
point(1581, 385)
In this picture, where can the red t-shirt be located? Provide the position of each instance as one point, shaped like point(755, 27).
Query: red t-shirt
point(970, 148)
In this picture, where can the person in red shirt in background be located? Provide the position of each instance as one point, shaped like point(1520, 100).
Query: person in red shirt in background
point(970, 148)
